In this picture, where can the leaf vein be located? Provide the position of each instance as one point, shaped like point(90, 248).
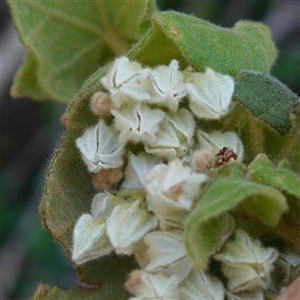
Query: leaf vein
point(64, 17)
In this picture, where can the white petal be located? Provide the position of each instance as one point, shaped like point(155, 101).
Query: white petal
point(128, 224)
point(138, 166)
point(137, 123)
point(246, 264)
point(167, 254)
point(168, 85)
point(126, 79)
point(100, 148)
point(152, 286)
point(200, 285)
point(166, 142)
point(101, 206)
point(183, 122)
point(174, 137)
point(171, 190)
point(210, 94)
point(89, 239)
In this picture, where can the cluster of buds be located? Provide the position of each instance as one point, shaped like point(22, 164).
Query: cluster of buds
point(149, 144)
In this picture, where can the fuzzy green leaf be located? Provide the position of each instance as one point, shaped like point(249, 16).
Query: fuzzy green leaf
point(26, 82)
point(68, 194)
point(267, 98)
point(263, 171)
point(223, 194)
point(70, 40)
point(105, 292)
point(195, 42)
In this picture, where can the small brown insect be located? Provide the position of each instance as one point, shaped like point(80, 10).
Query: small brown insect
point(224, 156)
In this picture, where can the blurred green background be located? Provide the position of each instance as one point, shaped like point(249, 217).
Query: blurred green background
point(30, 131)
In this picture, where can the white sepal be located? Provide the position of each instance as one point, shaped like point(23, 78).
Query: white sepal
point(168, 86)
point(147, 286)
point(128, 224)
point(126, 79)
point(138, 166)
point(246, 264)
point(200, 285)
point(100, 148)
point(171, 190)
point(166, 254)
point(174, 137)
point(137, 123)
point(166, 142)
point(217, 140)
point(209, 93)
point(101, 206)
point(89, 239)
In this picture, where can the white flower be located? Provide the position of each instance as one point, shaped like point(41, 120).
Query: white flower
point(89, 237)
point(174, 137)
point(128, 224)
point(246, 264)
point(166, 254)
point(137, 122)
point(100, 148)
point(171, 190)
point(216, 140)
point(147, 286)
point(168, 85)
point(200, 285)
point(257, 294)
point(209, 94)
point(138, 166)
point(126, 79)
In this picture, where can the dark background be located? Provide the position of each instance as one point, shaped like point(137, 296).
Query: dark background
point(30, 131)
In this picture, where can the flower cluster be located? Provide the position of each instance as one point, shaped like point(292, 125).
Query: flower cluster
point(150, 145)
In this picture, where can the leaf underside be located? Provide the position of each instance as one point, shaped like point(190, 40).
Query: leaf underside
point(69, 41)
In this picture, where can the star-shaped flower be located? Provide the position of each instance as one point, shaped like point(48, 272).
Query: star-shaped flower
point(165, 254)
point(100, 148)
point(127, 79)
point(174, 137)
point(168, 86)
point(171, 190)
point(128, 224)
point(246, 263)
point(209, 93)
point(137, 123)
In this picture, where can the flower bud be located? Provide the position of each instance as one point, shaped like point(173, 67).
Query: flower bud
point(101, 104)
point(106, 179)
